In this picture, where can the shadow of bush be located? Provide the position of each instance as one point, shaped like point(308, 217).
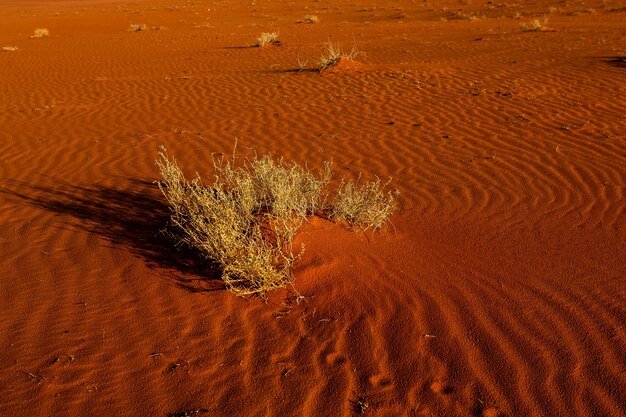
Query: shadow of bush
point(134, 217)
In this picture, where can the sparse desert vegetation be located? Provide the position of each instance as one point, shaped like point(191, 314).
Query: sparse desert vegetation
point(311, 18)
point(246, 220)
point(230, 223)
point(40, 33)
point(333, 54)
point(496, 288)
point(535, 25)
point(367, 205)
point(465, 16)
point(137, 27)
point(267, 38)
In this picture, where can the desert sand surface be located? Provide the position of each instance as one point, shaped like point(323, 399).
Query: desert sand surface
point(499, 290)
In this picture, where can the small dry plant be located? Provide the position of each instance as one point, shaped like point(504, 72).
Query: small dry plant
point(40, 33)
point(333, 55)
point(360, 405)
point(367, 205)
point(9, 48)
point(310, 18)
point(137, 27)
point(247, 218)
point(536, 25)
point(464, 16)
point(302, 64)
point(267, 39)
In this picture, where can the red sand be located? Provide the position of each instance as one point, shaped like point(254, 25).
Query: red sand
point(499, 292)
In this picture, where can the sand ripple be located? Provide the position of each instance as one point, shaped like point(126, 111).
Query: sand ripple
point(499, 291)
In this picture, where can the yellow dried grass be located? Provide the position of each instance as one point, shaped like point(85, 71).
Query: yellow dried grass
point(246, 220)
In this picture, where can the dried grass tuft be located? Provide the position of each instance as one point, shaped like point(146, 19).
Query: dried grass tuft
point(536, 25)
point(267, 39)
point(311, 19)
point(246, 220)
point(364, 206)
point(40, 33)
point(334, 54)
point(137, 27)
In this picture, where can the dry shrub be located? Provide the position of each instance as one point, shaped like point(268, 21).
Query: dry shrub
point(536, 25)
point(464, 16)
point(311, 19)
point(215, 222)
point(278, 188)
point(137, 27)
point(247, 218)
point(366, 206)
point(267, 39)
point(333, 54)
point(40, 33)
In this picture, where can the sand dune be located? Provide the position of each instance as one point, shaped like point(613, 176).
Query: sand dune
point(498, 291)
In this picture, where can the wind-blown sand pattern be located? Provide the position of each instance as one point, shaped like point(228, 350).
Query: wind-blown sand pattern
point(499, 291)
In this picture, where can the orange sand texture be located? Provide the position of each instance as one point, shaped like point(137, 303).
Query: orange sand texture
point(499, 290)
